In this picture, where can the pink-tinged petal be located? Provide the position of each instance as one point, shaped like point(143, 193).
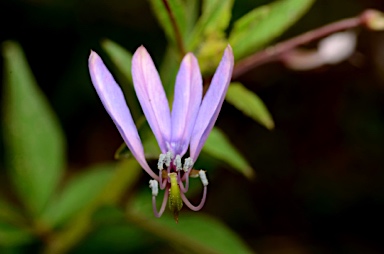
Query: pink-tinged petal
point(211, 104)
point(151, 95)
point(186, 104)
point(114, 102)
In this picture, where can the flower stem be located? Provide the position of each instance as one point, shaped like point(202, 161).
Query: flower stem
point(274, 52)
point(178, 37)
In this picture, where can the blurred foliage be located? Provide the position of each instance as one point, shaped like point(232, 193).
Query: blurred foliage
point(34, 141)
point(260, 26)
point(318, 183)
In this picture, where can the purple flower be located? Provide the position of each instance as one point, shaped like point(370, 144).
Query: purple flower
point(186, 126)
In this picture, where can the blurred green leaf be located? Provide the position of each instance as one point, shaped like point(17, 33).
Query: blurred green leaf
point(122, 61)
point(180, 14)
point(214, 19)
point(124, 176)
point(117, 238)
point(195, 232)
point(122, 152)
point(10, 214)
point(78, 192)
point(151, 147)
point(168, 71)
point(219, 146)
point(260, 26)
point(250, 104)
point(120, 57)
point(210, 53)
point(33, 138)
point(11, 235)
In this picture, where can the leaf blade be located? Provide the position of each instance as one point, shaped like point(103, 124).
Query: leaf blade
point(250, 104)
point(178, 10)
point(33, 138)
point(11, 235)
point(77, 194)
point(190, 234)
point(215, 18)
point(260, 26)
point(219, 146)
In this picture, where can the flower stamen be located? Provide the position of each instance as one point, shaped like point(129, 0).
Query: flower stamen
point(188, 164)
point(177, 163)
point(163, 205)
point(203, 178)
point(154, 185)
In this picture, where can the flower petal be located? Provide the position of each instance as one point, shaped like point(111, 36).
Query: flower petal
point(211, 104)
point(151, 95)
point(113, 100)
point(186, 103)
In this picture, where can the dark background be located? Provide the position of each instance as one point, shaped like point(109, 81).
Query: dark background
point(319, 184)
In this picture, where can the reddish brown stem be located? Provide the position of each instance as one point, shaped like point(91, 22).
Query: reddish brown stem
point(274, 52)
point(178, 37)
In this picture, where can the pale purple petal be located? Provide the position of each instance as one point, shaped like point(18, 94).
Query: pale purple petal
point(114, 102)
point(211, 104)
point(151, 95)
point(186, 103)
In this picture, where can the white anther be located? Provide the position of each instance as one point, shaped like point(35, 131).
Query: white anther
point(177, 162)
point(188, 164)
point(203, 177)
point(168, 158)
point(154, 185)
point(161, 161)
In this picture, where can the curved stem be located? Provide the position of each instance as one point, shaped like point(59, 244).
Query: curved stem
point(180, 182)
point(186, 175)
point(178, 37)
point(274, 52)
point(192, 207)
point(165, 199)
point(161, 182)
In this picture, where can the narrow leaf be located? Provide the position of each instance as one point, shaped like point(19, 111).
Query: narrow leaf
point(116, 238)
point(214, 19)
point(121, 57)
point(260, 26)
point(122, 61)
point(10, 214)
point(194, 233)
point(33, 138)
point(219, 146)
point(250, 104)
point(151, 147)
point(11, 235)
point(168, 71)
point(79, 192)
point(126, 174)
point(179, 14)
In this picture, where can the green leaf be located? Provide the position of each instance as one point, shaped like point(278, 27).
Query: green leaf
point(124, 177)
point(168, 71)
point(78, 192)
point(11, 235)
point(214, 19)
point(120, 57)
point(116, 238)
point(34, 141)
point(219, 146)
point(151, 147)
point(194, 233)
point(122, 61)
point(260, 26)
point(250, 104)
point(10, 214)
point(179, 13)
